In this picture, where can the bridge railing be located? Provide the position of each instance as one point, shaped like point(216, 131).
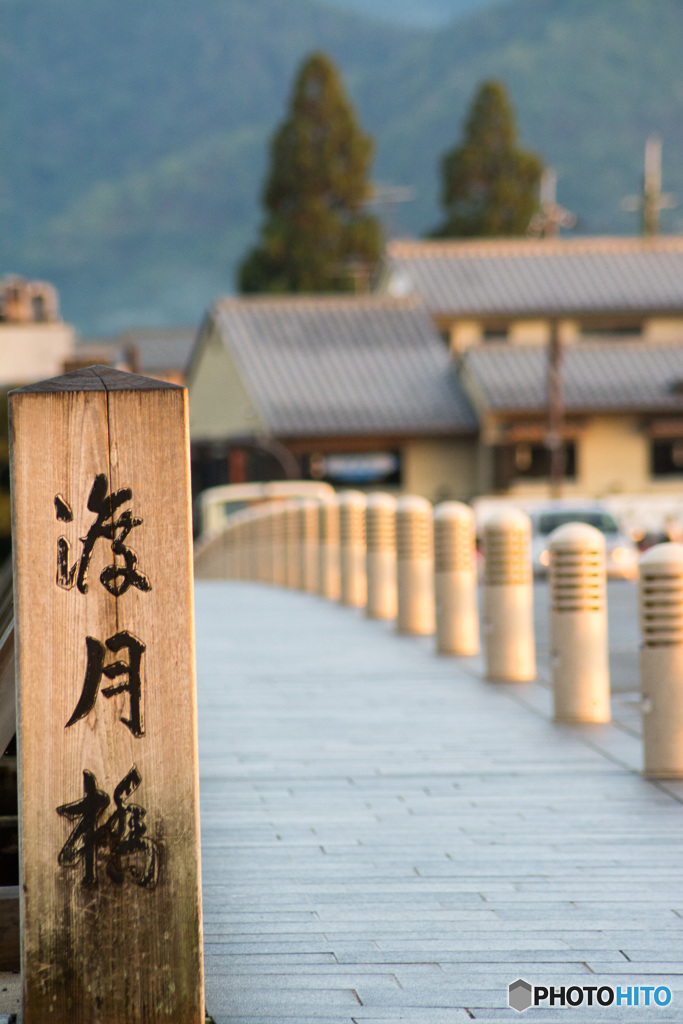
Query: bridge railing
point(402, 560)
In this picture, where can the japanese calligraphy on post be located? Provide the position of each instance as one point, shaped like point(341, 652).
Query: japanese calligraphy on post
point(121, 838)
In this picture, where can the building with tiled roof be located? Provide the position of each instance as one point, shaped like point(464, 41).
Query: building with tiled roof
point(596, 377)
point(509, 289)
point(439, 383)
point(158, 352)
point(623, 416)
point(356, 389)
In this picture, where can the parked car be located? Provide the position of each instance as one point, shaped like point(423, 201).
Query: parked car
point(620, 550)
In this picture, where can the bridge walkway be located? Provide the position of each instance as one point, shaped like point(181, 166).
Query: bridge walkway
point(386, 837)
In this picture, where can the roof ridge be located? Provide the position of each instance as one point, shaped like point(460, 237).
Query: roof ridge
point(470, 247)
point(577, 346)
point(320, 301)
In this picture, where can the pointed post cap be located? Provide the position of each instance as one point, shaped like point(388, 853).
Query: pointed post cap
point(97, 378)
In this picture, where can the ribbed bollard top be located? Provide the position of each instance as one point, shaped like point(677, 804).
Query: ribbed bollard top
point(380, 523)
point(328, 520)
point(577, 568)
point(454, 537)
point(661, 596)
point(507, 555)
point(352, 519)
point(414, 534)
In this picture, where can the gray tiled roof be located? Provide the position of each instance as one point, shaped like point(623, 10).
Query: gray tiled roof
point(343, 365)
point(160, 349)
point(498, 277)
point(605, 376)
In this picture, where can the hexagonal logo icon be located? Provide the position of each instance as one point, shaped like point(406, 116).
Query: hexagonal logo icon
point(520, 995)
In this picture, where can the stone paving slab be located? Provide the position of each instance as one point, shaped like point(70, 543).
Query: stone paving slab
point(10, 996)
point(389, 838)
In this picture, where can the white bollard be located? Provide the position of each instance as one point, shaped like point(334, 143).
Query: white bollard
point(380, 522)
point(415, 565)
point(353, 588)
point(229, 549)
point(308, 545)
point(267, 542)
point(578, 624)
point(277, 541)
point(251, 542)
point(455, 579)
point(239, 546)
point(260, 528)
point(221, 567)
point(292, 573)
point(508, 620)
point(661, 660)
point(328, 548)
point(245, 545)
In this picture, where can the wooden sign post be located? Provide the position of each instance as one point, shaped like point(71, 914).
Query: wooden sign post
point(109, 822)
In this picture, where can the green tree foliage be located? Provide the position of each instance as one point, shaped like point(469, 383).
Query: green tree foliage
point(316, 236)
point(490, 187)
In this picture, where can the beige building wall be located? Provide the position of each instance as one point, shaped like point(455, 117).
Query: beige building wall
point(613, 456)
point(529, 332)
point(663, 329)
point(220, 406)
point(463, 334)
point(440, 469)
point(34, 351)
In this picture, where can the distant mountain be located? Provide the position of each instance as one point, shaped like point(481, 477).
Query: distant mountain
point(133, 140)
point(420, 13)
point(133, 136)
point(590, 81)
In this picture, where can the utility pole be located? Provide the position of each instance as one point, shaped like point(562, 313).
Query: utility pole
point(652, 200)
point(385, 198)
point(652, 186)
point(553, 438)
point(551, 216)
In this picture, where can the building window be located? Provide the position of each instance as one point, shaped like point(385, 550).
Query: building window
point(494, 334)
point(666, 457)
point(527, 460)
point(617, 332)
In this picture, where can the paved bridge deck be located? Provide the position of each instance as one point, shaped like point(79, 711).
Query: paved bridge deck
point(387, 837)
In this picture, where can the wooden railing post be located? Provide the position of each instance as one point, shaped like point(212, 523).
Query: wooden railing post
point(109, 823)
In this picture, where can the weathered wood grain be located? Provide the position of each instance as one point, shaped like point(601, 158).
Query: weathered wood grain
point(106, 949)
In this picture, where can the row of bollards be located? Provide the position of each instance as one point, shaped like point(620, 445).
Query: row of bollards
point(401, 560)
point(374, 552)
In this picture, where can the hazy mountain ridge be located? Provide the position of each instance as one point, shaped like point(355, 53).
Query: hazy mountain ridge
point(419, 13)
point(105, 103)
point(588, 90)
point(130, 174)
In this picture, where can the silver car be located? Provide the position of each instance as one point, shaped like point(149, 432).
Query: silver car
point(620, 551)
